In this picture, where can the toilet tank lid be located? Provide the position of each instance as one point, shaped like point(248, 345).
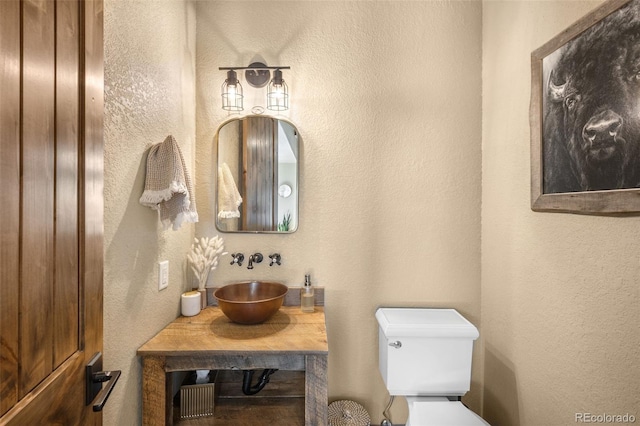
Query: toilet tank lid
point(425, 322)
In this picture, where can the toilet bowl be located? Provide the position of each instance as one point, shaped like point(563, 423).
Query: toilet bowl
point(425, 355)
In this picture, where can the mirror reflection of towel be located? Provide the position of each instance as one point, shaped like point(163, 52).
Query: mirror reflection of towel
point(167, 187)
point(229, 198)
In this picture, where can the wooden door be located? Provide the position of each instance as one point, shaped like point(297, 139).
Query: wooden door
point(260, 174)
point(51, 208)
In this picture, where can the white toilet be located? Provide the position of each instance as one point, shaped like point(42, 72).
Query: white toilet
point(425, 356)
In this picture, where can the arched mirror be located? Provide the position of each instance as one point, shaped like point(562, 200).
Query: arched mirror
point(258, 170)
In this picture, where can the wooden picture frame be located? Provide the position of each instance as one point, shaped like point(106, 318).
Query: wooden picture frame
point(585, 115)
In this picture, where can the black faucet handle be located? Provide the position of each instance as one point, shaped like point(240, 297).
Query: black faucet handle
point(237, 258)
point(275, 259)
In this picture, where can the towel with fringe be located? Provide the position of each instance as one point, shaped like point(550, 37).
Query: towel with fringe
point(167, 187)
point(229, 198)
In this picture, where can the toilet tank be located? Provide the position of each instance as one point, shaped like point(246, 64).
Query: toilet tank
point(425, 351)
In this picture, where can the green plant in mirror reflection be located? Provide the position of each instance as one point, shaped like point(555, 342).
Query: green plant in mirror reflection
point(286, 221)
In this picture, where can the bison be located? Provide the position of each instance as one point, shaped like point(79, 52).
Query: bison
point(591, 134)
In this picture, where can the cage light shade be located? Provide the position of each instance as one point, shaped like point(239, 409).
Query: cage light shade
point(277, 93)
point(232, 98)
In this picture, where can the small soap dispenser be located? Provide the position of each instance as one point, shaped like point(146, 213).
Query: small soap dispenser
point(307, 301)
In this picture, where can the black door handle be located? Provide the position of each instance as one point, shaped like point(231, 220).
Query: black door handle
point(94, 378)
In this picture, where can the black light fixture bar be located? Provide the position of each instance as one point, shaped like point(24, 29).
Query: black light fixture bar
point(257, 74)
point(253, 68)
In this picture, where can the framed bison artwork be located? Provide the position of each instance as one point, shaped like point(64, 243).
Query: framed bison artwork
point(585, 115)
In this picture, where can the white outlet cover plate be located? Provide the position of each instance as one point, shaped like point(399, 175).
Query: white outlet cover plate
point(163, 275)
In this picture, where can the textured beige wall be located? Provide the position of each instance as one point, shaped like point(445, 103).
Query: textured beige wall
point(150, 93)
point(390, 180)
point(391, 193)
point(386, 96)
point(560, 292)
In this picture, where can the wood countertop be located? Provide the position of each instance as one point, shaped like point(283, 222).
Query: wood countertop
point(289, 331)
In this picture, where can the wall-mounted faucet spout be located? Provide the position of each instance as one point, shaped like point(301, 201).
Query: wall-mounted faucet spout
point(257, 258)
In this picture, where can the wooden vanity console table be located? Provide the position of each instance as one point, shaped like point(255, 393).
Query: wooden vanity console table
point(290, 340)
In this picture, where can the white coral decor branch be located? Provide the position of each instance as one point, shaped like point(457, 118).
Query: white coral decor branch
point(203, 257)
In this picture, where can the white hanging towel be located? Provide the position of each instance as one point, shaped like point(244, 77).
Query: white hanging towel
point(229, 198)
point(167, 187)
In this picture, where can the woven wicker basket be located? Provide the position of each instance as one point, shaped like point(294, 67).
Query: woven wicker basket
point(348, 413)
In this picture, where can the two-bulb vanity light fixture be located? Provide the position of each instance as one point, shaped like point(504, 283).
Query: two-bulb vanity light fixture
point(257, 75)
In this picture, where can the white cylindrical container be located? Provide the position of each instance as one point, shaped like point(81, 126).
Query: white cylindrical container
point(190, 303)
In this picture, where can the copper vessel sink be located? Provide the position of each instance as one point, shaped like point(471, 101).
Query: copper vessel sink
point(250, 302)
